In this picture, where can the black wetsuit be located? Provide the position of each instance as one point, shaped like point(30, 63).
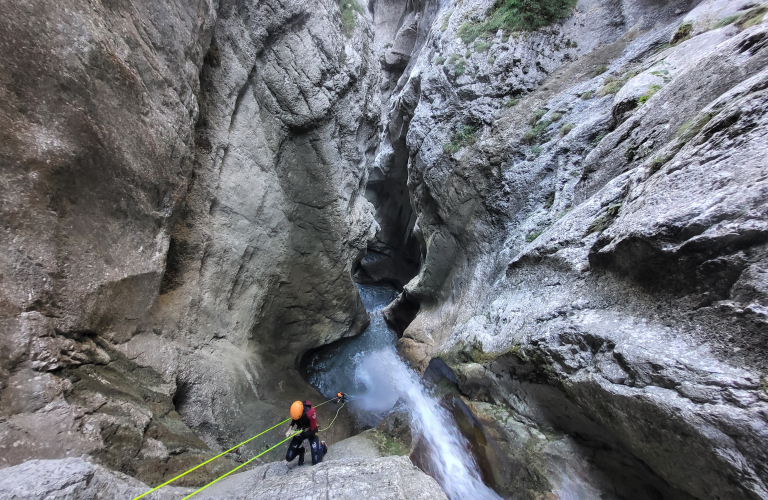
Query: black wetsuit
point(308, 425)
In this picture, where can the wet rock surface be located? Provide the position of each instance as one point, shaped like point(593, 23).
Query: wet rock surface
point(182, 206)
point(576, 202)
point(576, 216)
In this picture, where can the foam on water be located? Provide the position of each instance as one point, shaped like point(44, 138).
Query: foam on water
point(386, 379)
point(369, 368)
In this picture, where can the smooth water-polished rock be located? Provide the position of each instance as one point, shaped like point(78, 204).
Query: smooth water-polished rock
point(393, 478)
point(182, 206)
point(389, 478)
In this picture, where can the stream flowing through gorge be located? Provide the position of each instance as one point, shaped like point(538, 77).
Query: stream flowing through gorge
point(369, 369)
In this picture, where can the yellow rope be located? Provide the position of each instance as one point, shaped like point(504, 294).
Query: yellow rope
point(224, 453)
point(240, 466)
point(263, 452)
point(334, 418)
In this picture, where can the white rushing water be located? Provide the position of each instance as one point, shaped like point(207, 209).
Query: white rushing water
point(369, 368)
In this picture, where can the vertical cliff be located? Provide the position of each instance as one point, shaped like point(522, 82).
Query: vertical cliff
point(182, 206)
point(589, 185)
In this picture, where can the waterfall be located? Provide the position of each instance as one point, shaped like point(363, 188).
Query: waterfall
point(369, 368)
point(387, 379)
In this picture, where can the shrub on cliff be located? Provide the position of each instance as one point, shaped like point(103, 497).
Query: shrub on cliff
point(517, 15)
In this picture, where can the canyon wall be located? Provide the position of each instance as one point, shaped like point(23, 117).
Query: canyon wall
point(591, 205)
point(575, 210)
point(182, 207)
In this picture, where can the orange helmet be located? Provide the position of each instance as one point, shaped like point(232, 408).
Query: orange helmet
point(297, 409)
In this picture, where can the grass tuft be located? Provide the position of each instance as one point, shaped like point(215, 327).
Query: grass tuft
point(566, 129)
point(658, 162)
point(606, 219)
point(537, 115)
point(726, 21)
point(651, 91)
point(692, 127)
point(683, 33)
point(533, 235)
point(511, 102)
point(446, 20)
point(535, 134)
point(437, 61)
point(464, 135)
point(599, 70)
point(516, 15)
point(599, 137)
point(482, 46)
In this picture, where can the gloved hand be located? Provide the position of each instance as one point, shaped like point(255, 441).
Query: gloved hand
point(289, 432)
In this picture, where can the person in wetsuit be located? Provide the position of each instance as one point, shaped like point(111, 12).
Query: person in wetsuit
point(304, 419)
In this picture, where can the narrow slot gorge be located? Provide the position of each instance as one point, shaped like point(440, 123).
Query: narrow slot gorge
point(527, 238)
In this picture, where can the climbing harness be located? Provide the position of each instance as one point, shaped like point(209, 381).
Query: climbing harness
point(336, 399)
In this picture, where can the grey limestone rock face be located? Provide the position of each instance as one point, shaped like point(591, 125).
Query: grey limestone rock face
point(605, 201)
point(74, 479)
point(388, 478)
point(182, 206)
point(380, 478)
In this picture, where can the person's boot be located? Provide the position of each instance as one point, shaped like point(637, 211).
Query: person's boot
point(324, 447)
point(301, 457)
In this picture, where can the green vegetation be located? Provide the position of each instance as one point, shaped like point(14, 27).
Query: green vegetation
point(549, 201)
point(599, 70)
point(535, 134)
point(599, 137)
point(342, 58)
point(692, 127)
point(511, 102)
point(491, 60)
point(389, 446)
point(437, 61)
point(611, 87)
point(658, 162)
point(683, 33)
point(663, 74)
point(349, 10)
point(469, 32)
point(566, 129)
point(536, 151)
point(446, 20)
point(725, 21)
point(533, 235)
point(752, 17)
point(459, 64)
point(606, 219)
point(482, 46)
point(516, 15)
point(537, 115)
point(744, 20)
point(586, 95)
point(464, 135)
point(662, 48)
point(612, 84)
point(651, 91)
point(764, 385)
